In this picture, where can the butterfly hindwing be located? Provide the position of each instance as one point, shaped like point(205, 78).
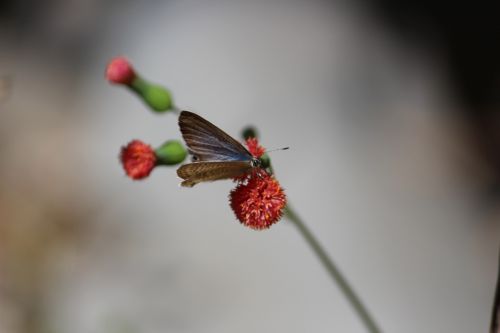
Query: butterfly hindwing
point(206, 142)
point(194, 173)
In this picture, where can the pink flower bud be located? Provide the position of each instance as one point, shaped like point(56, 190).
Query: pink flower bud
point(120, 71)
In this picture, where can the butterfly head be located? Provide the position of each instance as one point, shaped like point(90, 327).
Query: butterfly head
point(255, 162)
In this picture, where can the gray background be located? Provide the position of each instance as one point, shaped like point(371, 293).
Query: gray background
point(378, 169)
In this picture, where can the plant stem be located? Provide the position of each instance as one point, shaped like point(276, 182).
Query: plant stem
point(495, 315)
point(334, 272)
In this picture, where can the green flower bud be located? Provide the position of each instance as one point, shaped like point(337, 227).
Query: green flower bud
point(265, 161)
point(170, 153)
point(155, 96)
point(249, 132)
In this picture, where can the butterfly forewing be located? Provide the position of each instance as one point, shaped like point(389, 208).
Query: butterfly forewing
point(209, 143)
point(194, 173)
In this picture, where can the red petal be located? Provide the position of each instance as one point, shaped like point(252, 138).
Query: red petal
point(138, 159)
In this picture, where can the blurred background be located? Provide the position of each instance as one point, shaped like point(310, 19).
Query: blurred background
point(391, 112)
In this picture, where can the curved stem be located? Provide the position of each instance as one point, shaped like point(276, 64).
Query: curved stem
point(495, 315)
point(334, 272)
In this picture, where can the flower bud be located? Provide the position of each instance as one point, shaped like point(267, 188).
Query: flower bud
point(155, 96)
point(265, 161)
point(249, 132)
point(170, 153)
point(120, 71)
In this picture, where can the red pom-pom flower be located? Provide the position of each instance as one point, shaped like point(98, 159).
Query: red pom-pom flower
point(255, 148)
point(120, 71)
point(258, 202)
point(257, 151)
point(138, 159)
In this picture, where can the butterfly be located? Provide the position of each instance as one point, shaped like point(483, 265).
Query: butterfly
point(216, 155)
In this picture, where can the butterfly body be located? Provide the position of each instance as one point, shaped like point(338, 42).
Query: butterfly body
point(216, 155)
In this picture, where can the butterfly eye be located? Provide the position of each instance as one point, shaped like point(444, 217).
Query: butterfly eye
point(255, 162)
point(194, 158)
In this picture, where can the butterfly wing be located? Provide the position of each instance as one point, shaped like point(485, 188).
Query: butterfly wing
point(206, 142)
point(194, 173)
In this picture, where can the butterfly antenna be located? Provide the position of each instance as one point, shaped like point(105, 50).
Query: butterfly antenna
point(276, 149)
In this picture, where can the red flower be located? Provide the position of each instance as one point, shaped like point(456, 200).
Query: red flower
point(254, 147)
point(257, 151)
point(120, 71)
point(138, 159)
point(258, 203)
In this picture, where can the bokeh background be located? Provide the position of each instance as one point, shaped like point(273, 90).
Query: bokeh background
point(391, 113)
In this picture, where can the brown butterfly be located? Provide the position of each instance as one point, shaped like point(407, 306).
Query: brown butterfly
point(216, 155)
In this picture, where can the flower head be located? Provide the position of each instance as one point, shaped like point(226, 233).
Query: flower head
point(120, 71)
point(258, 203)
point(254, 147)
point(138, 159)
point(257, 151)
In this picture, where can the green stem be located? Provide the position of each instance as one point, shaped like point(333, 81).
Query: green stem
point(334, 272)
point(495, 315)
